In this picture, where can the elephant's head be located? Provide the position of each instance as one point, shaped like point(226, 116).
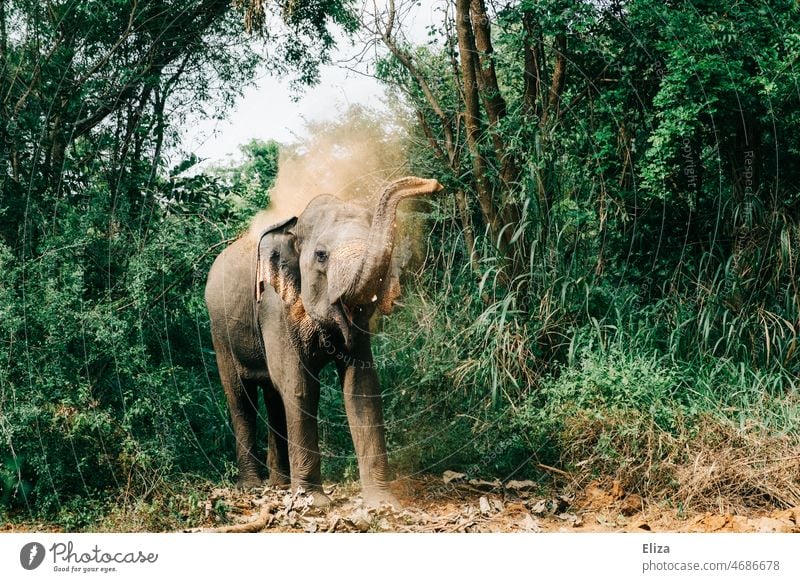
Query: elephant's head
point(333, 264)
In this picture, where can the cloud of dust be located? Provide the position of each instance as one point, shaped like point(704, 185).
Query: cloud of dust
point(351, 158)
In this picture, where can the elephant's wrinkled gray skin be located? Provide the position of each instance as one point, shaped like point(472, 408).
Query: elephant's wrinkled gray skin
point(286, 303)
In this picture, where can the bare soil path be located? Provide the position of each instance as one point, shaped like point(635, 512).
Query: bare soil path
point(452, 504)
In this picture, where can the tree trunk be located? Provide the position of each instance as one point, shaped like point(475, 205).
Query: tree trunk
point(405, 60)
point(158, 111)
point(493, 100)
point(446, 150)
point(495, 107)
point(557, 81)
point(469, 66)
point(469, 234)
point(550, 113)
point(532, 59)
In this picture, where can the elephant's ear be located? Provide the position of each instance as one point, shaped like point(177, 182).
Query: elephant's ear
point(278, 262)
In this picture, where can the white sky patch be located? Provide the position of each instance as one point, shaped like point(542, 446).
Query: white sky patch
point(266, 111)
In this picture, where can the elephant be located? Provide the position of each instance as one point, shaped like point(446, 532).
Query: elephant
point(290, 300)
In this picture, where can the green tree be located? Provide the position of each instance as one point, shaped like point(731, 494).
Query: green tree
point(106, 381)
point(251, 178)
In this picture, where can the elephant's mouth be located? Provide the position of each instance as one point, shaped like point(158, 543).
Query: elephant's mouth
point(346, 317)
point(343, 316)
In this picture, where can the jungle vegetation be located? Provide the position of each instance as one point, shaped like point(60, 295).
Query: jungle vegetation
point(609, 287)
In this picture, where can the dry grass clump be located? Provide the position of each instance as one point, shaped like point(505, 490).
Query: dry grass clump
point(627, 446)
point(734, 470)
point(714, 466)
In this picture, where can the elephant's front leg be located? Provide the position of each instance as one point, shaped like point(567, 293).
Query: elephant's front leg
point(301, 401)
point(362, 401)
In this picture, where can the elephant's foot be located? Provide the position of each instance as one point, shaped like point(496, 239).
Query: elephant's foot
point(319, 500)
point(375, 498)
point(278, 480)
point(248, 482)
point(314, 497)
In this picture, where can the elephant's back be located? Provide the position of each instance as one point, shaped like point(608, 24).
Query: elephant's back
point(230, 296)
point(231, 278)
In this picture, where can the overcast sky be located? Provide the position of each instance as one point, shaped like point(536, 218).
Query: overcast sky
point(266, 110)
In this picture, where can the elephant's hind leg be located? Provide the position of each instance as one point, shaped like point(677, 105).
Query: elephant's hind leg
point(278, 443)
point(242, 397)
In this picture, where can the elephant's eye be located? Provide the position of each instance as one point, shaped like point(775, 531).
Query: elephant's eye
point(322, 256)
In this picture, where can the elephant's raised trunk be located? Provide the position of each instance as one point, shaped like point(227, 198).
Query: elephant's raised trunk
point(366, 277)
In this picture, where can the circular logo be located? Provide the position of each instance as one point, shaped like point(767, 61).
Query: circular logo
point(31, 555)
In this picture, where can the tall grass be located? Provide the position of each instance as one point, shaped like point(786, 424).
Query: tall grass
point(680, 383)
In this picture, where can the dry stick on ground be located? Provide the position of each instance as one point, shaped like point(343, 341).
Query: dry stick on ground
point(262, 521)
point(554, 470)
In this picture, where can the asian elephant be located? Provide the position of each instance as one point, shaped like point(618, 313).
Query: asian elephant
point(286, 302)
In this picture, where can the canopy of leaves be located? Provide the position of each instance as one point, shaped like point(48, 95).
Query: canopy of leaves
point(105, 361)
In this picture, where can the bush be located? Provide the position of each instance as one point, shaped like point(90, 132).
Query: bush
point(110, 385)
point(632, 413)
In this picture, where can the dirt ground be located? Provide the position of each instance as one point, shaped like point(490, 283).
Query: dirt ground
point(451, 503)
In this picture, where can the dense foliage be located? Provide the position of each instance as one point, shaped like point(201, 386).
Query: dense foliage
point(625, 183)
point(611, 288)
point(107, 381)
